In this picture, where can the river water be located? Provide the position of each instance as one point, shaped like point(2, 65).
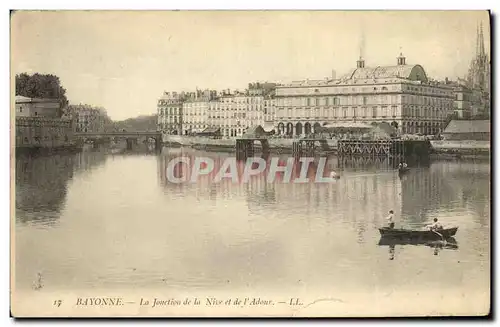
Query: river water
point(97, 220)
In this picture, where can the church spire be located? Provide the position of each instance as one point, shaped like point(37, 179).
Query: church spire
point(477, 41)
point(481, 42)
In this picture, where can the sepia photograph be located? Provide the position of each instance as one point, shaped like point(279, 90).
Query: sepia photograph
point(250, 163)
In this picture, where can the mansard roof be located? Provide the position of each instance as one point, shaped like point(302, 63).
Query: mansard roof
point(410, 72)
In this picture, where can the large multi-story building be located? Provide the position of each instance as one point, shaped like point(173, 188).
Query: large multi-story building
point(170, 112)
point(234, 113)
point(89, 119)
point(195, 110)
point(401, 95)
point(231, 112)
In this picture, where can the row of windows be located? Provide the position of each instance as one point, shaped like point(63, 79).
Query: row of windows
point(335, 101)
point(364, 100)
point(364, 89)
point(344, 112)
point(170, 111)
point(244, 100)
point(167, 102)
point(332, 90)
point(251, 107)
point(187, 105)
point(426, 90)
point(200, 112)
point(364, 111)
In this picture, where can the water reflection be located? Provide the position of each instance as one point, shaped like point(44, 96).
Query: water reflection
point(42, 183)
point(149, 232)
point(360, 197)
point(445, 187)
point(365, 192)
point(436, 246)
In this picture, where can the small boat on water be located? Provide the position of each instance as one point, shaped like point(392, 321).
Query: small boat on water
point(403, 170)
point(423, 234)
point(334, 175)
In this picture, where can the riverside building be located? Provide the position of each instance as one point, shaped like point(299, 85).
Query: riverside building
point(170, 112)
point(195, 110)
point(401, 95)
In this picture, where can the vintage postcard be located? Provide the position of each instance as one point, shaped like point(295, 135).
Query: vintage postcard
point(250, 163)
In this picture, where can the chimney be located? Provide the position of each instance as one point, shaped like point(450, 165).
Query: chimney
point(334, 74)
point(360, 63)
point(401, 60)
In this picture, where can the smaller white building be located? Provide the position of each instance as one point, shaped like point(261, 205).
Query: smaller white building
point(34, 107)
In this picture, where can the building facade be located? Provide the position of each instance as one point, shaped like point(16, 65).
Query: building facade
point(468, 102)
point(170, 113)
point(400, 95)
point(195, 110)
point(33, 107)
point(234, 113)
point(38, 124)
point(231, 112)
point(89, 119)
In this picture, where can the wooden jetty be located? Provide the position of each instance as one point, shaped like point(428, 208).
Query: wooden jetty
point(310, 147)
point(245, 147)
point(384, 148)
point(365, 148)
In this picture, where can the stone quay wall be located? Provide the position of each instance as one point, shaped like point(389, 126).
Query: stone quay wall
point(466, 147)
point(43, 132)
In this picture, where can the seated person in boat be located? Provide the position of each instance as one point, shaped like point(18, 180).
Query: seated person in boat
point(390, 219)
point(435, 225)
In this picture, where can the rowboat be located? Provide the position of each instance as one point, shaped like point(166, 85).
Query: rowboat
point(334, 175)
point(417, 234)
point(402, 171)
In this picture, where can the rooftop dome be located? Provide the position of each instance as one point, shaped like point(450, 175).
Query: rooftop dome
point(410, 72)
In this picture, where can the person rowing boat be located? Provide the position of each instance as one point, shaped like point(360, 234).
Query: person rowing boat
point(435, 227)
point(334, 175)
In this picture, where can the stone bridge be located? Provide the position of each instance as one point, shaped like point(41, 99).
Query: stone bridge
point(132, 138)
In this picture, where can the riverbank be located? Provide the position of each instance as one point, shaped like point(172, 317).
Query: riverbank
point(229, 145)
point(440, 149)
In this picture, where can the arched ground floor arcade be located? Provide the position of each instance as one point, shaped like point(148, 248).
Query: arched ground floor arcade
point(303, 128)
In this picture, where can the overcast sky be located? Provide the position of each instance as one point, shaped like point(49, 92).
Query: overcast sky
point(123, 61)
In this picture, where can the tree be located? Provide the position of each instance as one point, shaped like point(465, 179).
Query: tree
point(41, 86)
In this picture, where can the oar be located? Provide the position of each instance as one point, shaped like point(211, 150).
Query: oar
point(441, 235)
